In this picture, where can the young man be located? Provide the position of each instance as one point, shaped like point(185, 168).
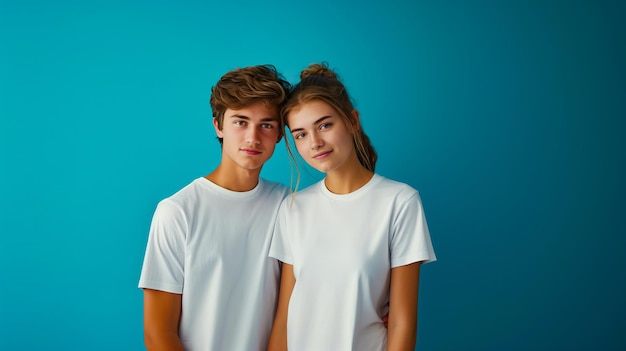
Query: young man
point(207, 279)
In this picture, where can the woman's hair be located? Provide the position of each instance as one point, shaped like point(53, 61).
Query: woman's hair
point(243, 87)
point(318, 82)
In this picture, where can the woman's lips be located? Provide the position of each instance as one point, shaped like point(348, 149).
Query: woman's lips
point(322, 154)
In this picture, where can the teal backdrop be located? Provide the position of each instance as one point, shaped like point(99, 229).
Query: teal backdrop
point(507, 116)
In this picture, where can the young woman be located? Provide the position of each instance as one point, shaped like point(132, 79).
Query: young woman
point(352, 244)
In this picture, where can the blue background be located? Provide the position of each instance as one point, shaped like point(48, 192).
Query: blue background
point(508, 116)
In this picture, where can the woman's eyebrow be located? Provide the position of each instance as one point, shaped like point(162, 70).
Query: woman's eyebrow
point(314, 123)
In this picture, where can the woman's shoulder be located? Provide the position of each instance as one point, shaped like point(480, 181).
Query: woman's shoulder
point(302, 197)
point(311, 190)
point(395, 186)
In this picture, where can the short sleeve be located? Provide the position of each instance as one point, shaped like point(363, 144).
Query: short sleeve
point(280, 248)
point(410, 238)
point(163, 265)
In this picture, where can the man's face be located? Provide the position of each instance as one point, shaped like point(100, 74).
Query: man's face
point(249, 135)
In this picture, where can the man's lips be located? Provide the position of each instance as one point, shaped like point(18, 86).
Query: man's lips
point(251, 152)
point(322, 154)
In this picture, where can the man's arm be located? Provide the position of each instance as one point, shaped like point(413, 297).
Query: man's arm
point(278, 336)
point(161, 316)
point(402, 329)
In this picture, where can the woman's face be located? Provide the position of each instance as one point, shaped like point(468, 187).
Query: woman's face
point(321, 136)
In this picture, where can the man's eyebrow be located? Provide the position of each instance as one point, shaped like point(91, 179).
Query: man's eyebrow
point(239, 116)
point(270, 119)
point(265, 119)
point(314, 123)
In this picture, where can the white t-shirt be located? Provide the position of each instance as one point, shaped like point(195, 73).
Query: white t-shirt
point(211, 245)
point(342, 248)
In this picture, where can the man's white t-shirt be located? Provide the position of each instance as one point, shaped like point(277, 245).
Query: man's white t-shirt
point(211, 245)
point(342, 248)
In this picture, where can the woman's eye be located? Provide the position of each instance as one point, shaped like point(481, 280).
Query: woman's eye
point(325, 125)
point(299, 136)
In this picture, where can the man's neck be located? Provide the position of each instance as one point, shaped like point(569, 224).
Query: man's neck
point(234, 179)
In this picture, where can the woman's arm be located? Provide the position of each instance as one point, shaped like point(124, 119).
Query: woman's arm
point(278, 336)
point(160, 320)
point(402, 328)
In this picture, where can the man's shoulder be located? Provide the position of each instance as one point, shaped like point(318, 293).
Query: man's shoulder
point(187, 193)
point(274, 187)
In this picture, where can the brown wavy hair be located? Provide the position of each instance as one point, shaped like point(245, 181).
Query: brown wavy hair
point(243, 87)
point(318, 82)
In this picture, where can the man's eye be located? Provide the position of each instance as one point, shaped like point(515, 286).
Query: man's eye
point(240, 123)
point(267, 126)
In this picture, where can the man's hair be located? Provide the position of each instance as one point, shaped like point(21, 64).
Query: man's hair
point(243, 87)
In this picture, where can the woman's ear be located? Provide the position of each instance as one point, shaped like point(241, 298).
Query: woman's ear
point(356, 122)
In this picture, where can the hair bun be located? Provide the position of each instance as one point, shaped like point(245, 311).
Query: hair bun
point(318, 69)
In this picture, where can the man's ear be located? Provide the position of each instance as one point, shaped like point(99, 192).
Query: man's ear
point(356, 122)
point(219, 133)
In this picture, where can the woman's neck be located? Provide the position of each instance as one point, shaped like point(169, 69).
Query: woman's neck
point(347, 179)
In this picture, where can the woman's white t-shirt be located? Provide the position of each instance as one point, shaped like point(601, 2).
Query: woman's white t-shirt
point(342, 248)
